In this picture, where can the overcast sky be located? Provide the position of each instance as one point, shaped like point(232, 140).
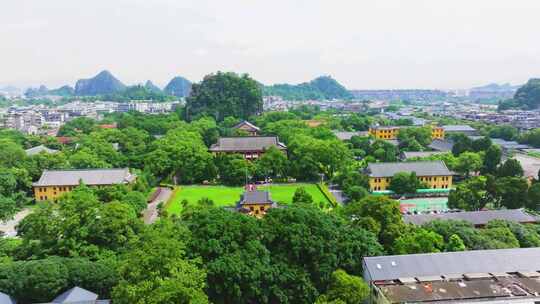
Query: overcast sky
point(364, 44)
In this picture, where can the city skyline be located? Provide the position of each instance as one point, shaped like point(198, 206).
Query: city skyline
point(382, 45)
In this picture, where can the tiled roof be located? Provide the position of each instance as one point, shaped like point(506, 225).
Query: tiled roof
point(441, 145)
point(256, 197)
point(247, 123)
point(458, 128)
point(246, 143)
point(347, 135)
point(39, 149)
point(451, 263)
point(88, 176)
point(422, 168)
point(476, 218)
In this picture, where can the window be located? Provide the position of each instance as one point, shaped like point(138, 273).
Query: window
point(251, 208)
point(256, 211)
point(262, 208)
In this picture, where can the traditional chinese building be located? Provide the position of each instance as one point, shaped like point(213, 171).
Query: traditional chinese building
point(248, 127)
point(252, 147)
point(255, 202)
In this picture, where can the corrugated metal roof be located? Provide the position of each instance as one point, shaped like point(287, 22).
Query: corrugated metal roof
point(422, 168)
point(89, 177)
point(474, 217)
point(436, 264)
point(246, 143)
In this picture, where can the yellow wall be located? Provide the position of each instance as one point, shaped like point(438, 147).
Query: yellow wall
point(257, 210)
point(433, 182)
point(392, 132)
point(51, 192)
point(437, 133)
point(384, 133)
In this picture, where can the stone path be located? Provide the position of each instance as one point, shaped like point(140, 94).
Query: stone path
point(150, 215)
point(8, 227)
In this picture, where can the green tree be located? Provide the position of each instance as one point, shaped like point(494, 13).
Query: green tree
point(156, 270)
point(11, 154)
point(468, 162)
point(533, 197)
point(492, 159)
point(273, 163)
point(455, 243)
point(36, 281)
point(182, 156)
point(379, 214)
point(346, 288)
point(234, 170)
point(86, 159)
point(510, 168)
point(462, 143)
point(418, 241)
point(224, 94)
point(481, 144)
point(301, 196)
point(403, 182)
point(509, 192)
point(470, 195)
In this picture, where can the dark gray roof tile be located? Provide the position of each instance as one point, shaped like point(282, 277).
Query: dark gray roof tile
point(422, 168)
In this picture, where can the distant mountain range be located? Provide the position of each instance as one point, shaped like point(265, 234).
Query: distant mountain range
point(107, 85)
point(324, 87)
point(493, 91)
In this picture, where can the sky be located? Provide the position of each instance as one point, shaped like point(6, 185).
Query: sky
point(364, 44)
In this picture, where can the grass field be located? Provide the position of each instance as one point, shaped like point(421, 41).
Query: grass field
point(228, 196)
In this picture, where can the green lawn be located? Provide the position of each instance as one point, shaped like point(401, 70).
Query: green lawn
point(228, 196)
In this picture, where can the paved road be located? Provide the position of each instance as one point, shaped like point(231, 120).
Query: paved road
point(337, 193)
point(150, 215)
point(9, 227)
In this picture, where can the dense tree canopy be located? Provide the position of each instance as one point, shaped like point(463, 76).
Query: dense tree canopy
point(224, 94)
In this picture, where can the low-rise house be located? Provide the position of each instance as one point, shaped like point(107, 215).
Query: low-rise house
point(53, 183)
point(476, 218)
point(502, 276)
point(434, 174)
point(248, 127)
point(39, 149)
point(255, 202)
point(392, 132)
point(252, 147)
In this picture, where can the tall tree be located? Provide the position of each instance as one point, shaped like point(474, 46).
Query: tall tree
point(347, 289)
point(510, 168)
point(491, 159)
point(224, 94)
